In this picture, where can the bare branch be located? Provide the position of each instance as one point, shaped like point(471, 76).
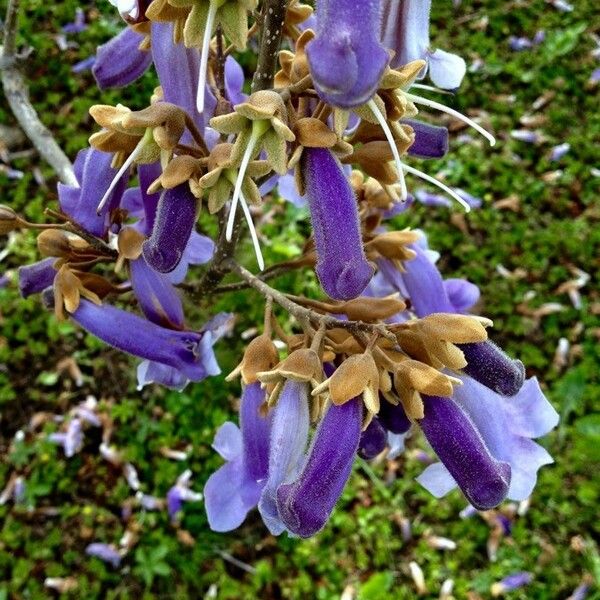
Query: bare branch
point(15, 90)
point(306, 314)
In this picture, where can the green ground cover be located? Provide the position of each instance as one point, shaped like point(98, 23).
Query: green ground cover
point(519, 252)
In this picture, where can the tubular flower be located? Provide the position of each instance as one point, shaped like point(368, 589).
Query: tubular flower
point(342, 267)
point(175, 218)
point(188, 351)
point(491, 436)
point(347, 37)
point(235, 488)
point(305, 504)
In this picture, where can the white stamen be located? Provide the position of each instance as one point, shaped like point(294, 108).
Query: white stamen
point(439, 184)
point(253, 235)
point(450, 111)
point(210, 20)
point(120, 172)
point(390, 138)
point(238, 185)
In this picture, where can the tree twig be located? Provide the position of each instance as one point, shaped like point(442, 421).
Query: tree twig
point(15, 90)
point(306, 314)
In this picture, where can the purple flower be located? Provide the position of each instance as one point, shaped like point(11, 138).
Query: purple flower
point(431, 141)
point(372, 440)
point(342, 267)
point(406, 31)
point(199, 250)
point(289, 437)
point(95, 175)
point(512, 582)
point(525, 135)
point(455, 439)
point(306, 504)
point(180, 493)
point(175, 218)
point(347, 37)
point(506, 427)
point(120, 62)
point(71, 440)
point(36, 277)
point(84, 65)
point(519, 43)
point(188, 351)
point(557, 152)
point(78, 25)
point(105, 552)
point(489, 365)
point(235, 488)
point(149, 371)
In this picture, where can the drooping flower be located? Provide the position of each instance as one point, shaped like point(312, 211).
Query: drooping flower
point(305, 504)
point(180, 493)
point(235, 488)
point(347, 37)
point(71, 440)
point(506, 427)
point(483, 479)
point(175, 218)
point(188, 351)
point(511, 582)
point(342, 267)
point(406, 31)
point(119, 61)
point(289, 436)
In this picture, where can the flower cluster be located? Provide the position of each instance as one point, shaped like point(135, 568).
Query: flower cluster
point(390, 348)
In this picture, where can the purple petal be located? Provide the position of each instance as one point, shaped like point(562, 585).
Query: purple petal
point(256, 432)
point(406, 29)
point(425, 285)
point(489, 365)
point(105, 552)
point(289, 436)
point(157, 296)
point(226, 505)
point(431, 141)
point(234, 81)
point(347, 37)
point(175, 218)
point(393, 417)
point(36, 277)
point(483, 479)
point(288, 191)
point(120, 62)
point(306, 504)
point(342, 267)
point(228, 441)
point(463, 294)
point(147, 174)
point(149, 371)
point(446, 70)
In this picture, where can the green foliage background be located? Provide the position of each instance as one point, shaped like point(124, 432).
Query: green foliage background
point(70, 503)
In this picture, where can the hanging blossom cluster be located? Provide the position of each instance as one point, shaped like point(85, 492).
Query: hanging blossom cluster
point(390, 348)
